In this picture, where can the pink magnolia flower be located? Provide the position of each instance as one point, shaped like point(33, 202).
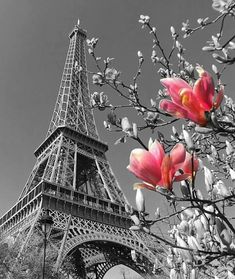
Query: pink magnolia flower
point(191, 102)
point(156, 168)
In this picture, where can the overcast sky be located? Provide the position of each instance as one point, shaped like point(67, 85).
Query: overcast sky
point(33, 47)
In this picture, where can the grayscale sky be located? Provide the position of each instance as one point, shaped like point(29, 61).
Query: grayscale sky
point(33, 46)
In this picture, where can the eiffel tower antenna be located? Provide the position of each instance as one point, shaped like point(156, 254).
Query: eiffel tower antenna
point(73, 181)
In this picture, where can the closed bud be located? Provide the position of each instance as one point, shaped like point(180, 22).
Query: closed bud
point(172, 30)
point(174, 130)
point(139, 54)
point(139, 199)
point(90, 51)
point(229, 148)
point(135, 219)
point(208, 48)
point(203, 130)
point(188, 140)
point(126, 126)
point(215, 69)
point(134, 228)
point(147, 230)
point(232, 174)
point(157, 213)
point(153, 103)
point(133, 255)
point(135, 131)
point(208, 179)
point(193, 274)
point(231, 45)
point(214, 152)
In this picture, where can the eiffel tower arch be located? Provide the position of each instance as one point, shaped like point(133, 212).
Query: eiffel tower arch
point(73, 181)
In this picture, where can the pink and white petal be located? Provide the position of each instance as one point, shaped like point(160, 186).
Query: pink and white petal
point(177, 155)
point(173, 109)
point(187, 165)
point(157, 151)
point(166, 166)
point(181, 177)
point(219, 98)
point(144, 166)
point(204, 90)
point(173, 86)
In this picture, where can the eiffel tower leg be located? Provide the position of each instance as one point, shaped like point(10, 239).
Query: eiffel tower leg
point(58, 261)
point(30, 231)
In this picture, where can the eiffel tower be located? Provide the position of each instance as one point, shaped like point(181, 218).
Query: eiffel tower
point(73, 181)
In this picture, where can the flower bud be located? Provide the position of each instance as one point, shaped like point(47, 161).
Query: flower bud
point(134, 228)
point(139, 199)
point(157, 213)
point(188, 140)
point(139, 54)
point(126, 126)
point(193, 274)
point(203, 130)
point(215, 69)
point(133, 255)
point(232, 174)
point(135, 130)
point(135, 219)
point(214, 152)
point(208, 48)
point(173, 33)
point(229, 148)
point(208, 179)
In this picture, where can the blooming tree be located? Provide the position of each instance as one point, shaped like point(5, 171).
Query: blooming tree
point(200, 218)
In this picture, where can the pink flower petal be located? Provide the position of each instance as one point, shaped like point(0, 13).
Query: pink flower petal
point(144, 165)
point(173, 86)
point(204, 90)
point(166, 180)
point(196, 112)
point(187, 165)
point(173, 109)
point(157, 151)
point(219, 98)
point(178, 154)
point(181, 177)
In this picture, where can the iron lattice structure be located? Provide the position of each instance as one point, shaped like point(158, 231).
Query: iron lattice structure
point(74, 181)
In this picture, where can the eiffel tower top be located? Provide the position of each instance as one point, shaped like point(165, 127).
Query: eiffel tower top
point(72, 107)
